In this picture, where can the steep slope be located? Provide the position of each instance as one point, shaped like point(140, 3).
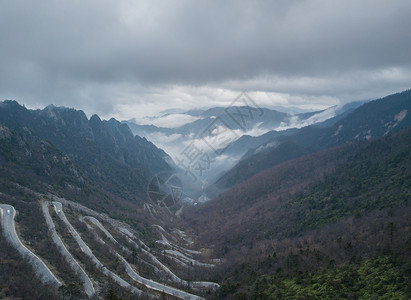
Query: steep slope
point(341, 113)
point(330, 224)
point(247, 142)
point(261, 161)
point(110, 158)
point(304, 193)
point(73, 133)
point(373, 119)
point(30, 161)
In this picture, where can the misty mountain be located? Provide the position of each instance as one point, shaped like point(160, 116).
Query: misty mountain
point(249, 117)
point(237, 118)
point(246, 144)
point(370, 120)
point(233, 131)
point(341, 113)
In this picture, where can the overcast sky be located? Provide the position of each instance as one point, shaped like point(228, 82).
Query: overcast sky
point(136, 58)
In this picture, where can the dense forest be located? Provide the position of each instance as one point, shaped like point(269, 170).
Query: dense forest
point(304, 227)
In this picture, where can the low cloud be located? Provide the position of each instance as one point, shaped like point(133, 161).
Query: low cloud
point(171, 121)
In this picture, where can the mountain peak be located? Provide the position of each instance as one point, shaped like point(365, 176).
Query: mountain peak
point(95, 119)
point(12, 104)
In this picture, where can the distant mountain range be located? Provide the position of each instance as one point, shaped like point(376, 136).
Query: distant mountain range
point(245, 118)
point(241, 127)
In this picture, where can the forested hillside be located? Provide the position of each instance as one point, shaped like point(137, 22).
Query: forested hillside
point(288, 229)
point(370, 120)
point(59, 150)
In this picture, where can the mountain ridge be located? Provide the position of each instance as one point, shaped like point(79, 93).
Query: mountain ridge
point(114, 160)
point(372, 119)
point(339, 207)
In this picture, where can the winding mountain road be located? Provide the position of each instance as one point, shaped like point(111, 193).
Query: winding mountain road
point(83, 246)
point(101, 227)
point(87, 284)
point(41, 270)
point(194, 284)
point(141, 280)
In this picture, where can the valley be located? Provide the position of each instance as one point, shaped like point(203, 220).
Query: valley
point(89, 210)
point(216, 150)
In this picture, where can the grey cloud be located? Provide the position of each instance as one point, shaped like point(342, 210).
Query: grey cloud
point(91, 52)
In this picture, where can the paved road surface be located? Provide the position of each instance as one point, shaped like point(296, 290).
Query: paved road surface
point(83, 246)
point(101, 227)
point(194, 284)
point(126, 231)
point(87, 284)
point(7, 219)
point(146, 282)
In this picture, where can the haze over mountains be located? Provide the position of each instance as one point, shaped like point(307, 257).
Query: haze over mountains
point(205, 150)
point(312, 173)
point(230, 144)
point(239, 128)
point(262, 138)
